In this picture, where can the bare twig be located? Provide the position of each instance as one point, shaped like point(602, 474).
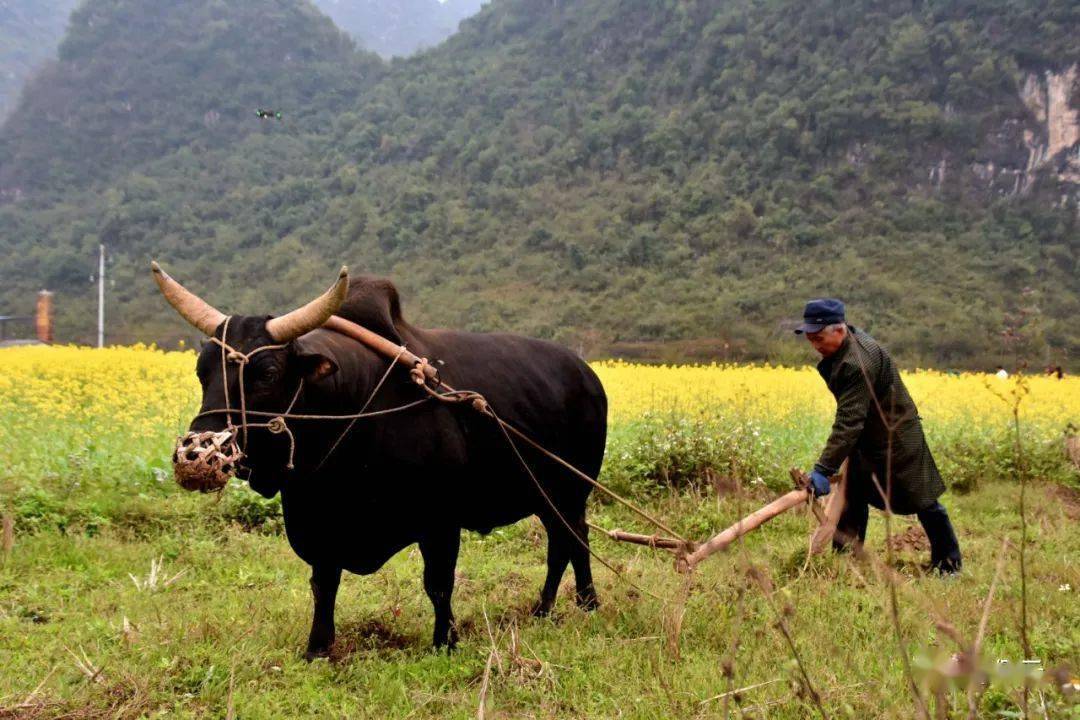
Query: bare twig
point(480, 711)
point(976, 647)
point(86, 666)
point(781, 624)
point(33, 693)
point(673, 620)
point(1016, 396)
point(15, 711)
point(886, 495)
point(230, 709)
point(1021, 470)
point(9, 535)
point(491, 636)
point(740, 691)
point(155, 578)
point(1042, 701)
point(941, 704)
point(536, 662)
point(782, 701)
point(727, 665)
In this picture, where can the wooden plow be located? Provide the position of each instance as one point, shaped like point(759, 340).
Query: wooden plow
point(689, 555)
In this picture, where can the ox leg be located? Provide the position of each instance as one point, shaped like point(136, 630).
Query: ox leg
point(579, 558)
point(558, 557)
point(440, 551)
point(324, 587)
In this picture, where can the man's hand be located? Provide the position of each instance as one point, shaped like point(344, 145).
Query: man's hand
point(819, 484)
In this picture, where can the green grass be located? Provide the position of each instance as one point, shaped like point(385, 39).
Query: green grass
point(232, 627)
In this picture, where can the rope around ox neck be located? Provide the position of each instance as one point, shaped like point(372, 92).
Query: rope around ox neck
point(277, 423)
point(242, 359)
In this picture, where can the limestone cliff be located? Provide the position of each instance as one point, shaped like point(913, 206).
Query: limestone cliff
point(1052, 140)
point(1035, 148)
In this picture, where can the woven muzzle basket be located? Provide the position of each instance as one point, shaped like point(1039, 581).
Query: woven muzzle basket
point(205, 461)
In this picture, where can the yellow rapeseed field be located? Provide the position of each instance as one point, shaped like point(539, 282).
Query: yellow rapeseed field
point(777, 393)
point(140, 389)
point(77, 407)
point(134, 390)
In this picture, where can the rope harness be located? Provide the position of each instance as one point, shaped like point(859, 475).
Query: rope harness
point(209, 476)
point(275, 425)
point(209, 458)
point(224, 447)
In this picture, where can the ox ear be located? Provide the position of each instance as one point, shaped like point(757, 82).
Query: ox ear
point(315, 366)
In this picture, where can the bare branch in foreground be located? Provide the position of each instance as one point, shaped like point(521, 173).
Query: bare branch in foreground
point(781, 624)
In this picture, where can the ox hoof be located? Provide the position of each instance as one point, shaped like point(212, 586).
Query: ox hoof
point(587, 601)
point(448, 643)
point(542, 609)
point(314, 652)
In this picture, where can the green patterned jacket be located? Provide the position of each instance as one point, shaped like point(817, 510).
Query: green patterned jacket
point(871, 399)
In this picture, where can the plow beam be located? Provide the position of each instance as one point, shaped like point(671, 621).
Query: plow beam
point(734, 532)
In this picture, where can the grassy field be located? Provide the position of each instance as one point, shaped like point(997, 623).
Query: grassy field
point(122, 596)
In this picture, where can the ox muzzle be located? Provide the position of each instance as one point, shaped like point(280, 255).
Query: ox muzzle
point(205, 461)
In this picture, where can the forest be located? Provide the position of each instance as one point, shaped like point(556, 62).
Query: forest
point(652, 178)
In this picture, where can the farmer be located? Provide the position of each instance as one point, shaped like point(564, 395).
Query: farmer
point(873, 405)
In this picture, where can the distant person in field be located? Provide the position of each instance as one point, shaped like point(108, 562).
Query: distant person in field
point(871, 398)
point(1002, 373)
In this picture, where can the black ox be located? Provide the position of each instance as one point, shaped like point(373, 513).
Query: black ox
point(416, 476)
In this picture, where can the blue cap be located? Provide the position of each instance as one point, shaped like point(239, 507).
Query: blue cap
point(819, 313)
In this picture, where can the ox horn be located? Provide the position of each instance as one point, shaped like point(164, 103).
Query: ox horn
point(190, 306)
point(305, 319)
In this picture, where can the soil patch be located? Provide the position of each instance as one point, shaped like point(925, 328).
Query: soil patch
point(1068, 498)
point(913, 539)
point(368, 635)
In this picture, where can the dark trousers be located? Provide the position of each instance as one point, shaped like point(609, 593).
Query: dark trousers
point(944, 547)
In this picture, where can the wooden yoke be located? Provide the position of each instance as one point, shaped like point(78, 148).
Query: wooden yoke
point(379, 344)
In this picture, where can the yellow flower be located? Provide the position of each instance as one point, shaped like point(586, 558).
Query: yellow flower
point(136, 399)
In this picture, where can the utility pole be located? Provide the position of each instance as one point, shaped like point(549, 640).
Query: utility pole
point(101, 298)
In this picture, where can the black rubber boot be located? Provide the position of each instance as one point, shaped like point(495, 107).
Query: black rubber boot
point(945, 556)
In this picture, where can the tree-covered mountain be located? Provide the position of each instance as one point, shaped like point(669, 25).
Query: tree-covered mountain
point(136, 81)
point(398, 27)
point(30, 31)
point(609, 173)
